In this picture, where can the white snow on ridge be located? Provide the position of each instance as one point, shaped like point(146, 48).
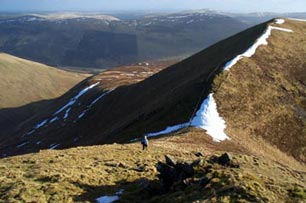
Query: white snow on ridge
point(279, 21)
point(169, 129)
point(297, 19)
point(262, 40)
point(207, 118)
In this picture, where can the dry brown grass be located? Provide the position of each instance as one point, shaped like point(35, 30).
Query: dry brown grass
point(85, 173)
point(265, 96)
point(23, 82)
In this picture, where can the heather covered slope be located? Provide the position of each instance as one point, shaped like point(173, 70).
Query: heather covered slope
point(265, 95)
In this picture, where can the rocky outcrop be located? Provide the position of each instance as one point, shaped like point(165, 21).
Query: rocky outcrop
point(175, 172)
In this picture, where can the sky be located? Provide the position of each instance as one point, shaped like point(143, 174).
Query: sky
point(123, 5)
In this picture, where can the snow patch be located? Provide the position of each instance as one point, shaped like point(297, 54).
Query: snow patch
point(67, 113)
point(110, 199)
point(74, 99)
point(190, 21)
point(207, 118)
point(107, 199)
point(41, 124)
point(120, 192)
point(262, 40)
point(23, 144)
point(81, 115)
point(31, 132)
point(53, 119)
point(93, 102)
point(279, 21)
point(169, 129)
point(296, 19)
point(53, 146)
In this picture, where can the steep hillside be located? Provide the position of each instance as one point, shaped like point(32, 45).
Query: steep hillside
point(80, 99)
point(95, 40)
point(125, 173)
point(26, 83)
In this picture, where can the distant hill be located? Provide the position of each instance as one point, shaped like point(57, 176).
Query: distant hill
point(255, 18)
point(24, 82)
point(103, 41)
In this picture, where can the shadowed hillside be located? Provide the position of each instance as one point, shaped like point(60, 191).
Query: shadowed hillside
point(24, 82)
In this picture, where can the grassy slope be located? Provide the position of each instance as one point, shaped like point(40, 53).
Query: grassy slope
point(265, 94)
point(85, 173)
point(23, 82)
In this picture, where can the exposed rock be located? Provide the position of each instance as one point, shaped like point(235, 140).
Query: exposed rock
point(168, 175)
point(185, 170)
point(225, 159)
point(198, 162)
point(204, 181)
point(122, 165)
point(170, 160)
point(213, 159)
point(140, 169)
point(199, 154)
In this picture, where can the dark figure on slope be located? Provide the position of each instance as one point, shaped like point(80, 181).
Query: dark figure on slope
point(144, 142)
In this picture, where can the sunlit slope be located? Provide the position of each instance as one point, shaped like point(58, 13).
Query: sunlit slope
point(265, 95)
point(85, 173)
point(23, 81)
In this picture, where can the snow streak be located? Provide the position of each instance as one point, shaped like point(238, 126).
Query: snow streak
point(66, 107)
point(74, 99)
point(296, 19)
point(262, 40)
